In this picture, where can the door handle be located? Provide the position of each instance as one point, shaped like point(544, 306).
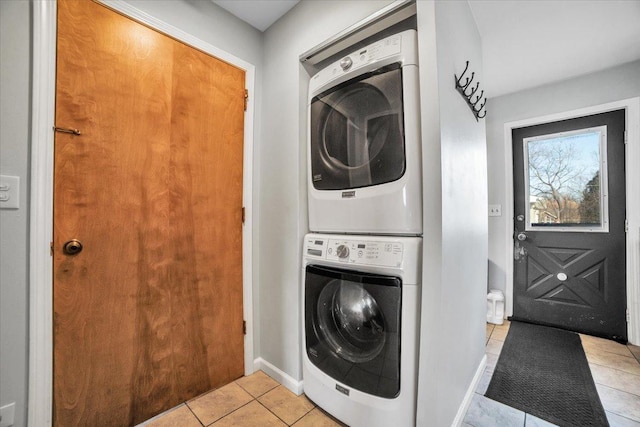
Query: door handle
point(72, 247)
point(522, 237)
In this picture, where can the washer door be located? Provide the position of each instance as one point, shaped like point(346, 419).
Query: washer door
point(350, 321)
point(357, 132)
point(352, 326)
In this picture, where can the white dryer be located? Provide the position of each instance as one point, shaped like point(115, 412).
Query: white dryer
point(361, 327)
point(364, 141)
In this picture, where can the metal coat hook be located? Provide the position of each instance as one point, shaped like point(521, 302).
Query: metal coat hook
point(474, 90)
point(462, 89)
point(458, 80)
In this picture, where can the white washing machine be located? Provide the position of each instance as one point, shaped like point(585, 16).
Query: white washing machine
point(364, 141)
point(361, 327)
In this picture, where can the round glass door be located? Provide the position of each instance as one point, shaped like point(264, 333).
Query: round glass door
point(351, 321)
point(357, 132)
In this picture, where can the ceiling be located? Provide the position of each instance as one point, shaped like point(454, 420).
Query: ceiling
point(525, 43)
point(530, 43)
point(259, 14)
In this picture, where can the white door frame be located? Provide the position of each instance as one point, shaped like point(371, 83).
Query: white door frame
point(632, 170)
point(40, 400)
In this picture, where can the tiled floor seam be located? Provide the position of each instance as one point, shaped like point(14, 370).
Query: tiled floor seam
point(625, 372)
point(623, 416)
point(224, 416)
point(626, 416)
point(258, 396)
point(286, 423)
point(194, 414)
point(622, 372)
point(617, 389)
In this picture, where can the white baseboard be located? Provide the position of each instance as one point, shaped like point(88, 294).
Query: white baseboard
point(462, 410)
point(285, 379)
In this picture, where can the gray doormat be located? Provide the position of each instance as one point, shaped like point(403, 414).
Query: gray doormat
point(543, 371)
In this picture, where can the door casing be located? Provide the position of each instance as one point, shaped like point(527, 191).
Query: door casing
point(41, 201)
point(632, 120)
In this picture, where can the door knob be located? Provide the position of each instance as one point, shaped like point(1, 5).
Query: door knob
point(522, 237)
point(72, 247)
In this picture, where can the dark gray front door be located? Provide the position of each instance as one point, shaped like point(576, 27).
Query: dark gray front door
point(569, 239)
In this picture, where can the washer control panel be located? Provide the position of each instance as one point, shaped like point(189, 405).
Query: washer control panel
point(354, 251)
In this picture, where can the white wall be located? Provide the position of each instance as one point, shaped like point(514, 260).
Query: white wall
point(282, 169)
point(455, 236)
point(614, 84)
point(210, 23)
point(15, 39)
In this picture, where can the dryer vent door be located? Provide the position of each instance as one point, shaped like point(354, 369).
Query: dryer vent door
point(357, 132)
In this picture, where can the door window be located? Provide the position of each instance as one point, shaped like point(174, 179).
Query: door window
point(565, 181)
point(357, 132)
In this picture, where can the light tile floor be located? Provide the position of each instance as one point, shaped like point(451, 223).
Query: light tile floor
point(253, 401)
point(615, 369)
point(258, 400)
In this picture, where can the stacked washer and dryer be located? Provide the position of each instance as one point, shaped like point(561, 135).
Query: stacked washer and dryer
point(362, 262)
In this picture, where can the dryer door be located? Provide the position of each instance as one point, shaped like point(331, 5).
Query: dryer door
point(352, 328)
point(357, 132)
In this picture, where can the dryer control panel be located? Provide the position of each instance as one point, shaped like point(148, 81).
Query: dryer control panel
point(348, 65)
point(354, 251)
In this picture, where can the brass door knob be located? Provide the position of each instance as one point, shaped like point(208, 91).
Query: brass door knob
point(72, 247)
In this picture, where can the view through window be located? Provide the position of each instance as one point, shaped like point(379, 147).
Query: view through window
point(566, 180)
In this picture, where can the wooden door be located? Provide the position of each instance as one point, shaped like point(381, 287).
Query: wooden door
point(569, 193)
point(149, 313)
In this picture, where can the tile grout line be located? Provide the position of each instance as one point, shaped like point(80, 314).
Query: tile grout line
point(226, 415)
point(622, 416)
point(194, 414)
point(261, 394)
point(615, 369)
point(276, 415)
point(630, 356)
point(626, 416)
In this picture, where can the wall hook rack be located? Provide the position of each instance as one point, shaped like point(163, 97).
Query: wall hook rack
point(468, 92)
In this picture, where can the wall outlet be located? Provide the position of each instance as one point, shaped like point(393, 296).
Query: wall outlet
point(495, 210)
point(7, 413)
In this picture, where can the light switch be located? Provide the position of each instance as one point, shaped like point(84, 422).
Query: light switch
point(9, 192)
point(495, 210)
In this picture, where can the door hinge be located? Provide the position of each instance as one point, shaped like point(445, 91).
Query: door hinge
point(625, 137)
point(51, 248)
point(244, 327)
point(628, 315)
point(246, 99)
point(626, 225)
point(243, 214)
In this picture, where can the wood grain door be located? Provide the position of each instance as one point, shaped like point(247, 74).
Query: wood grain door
point(570, 207)
point(149, 313)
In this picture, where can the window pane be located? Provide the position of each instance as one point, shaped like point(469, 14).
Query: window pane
point(564, 180)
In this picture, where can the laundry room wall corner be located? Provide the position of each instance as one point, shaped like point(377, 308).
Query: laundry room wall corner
point(283, 195)
point(455, 216)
